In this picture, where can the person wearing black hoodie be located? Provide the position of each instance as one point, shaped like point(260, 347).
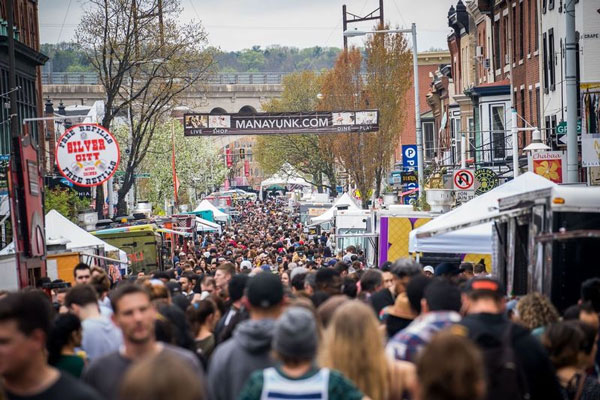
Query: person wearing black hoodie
point(249, 349)
point(487, 325)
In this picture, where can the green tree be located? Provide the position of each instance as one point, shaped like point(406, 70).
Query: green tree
point(252, 60)
point(308, 154)
point(66, 202)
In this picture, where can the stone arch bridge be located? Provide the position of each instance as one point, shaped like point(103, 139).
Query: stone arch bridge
point(230, 93)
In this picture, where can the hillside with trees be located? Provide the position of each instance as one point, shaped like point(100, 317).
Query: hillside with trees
point(69, 57)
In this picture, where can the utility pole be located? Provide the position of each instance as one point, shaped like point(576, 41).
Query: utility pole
point(357, 18)
point(571, 83)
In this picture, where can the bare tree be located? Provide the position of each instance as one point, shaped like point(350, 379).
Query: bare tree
point(389, 74)
point(145, 59)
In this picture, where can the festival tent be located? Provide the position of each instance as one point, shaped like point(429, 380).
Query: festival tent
point(287, 176)
point(344, 201)
point(60, 228)
point(206, 205)
point(455, 232)
point(203, 225)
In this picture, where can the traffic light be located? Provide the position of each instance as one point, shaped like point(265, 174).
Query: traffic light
point(242, 153)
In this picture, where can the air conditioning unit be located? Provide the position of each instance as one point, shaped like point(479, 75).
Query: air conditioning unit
point(479, 51)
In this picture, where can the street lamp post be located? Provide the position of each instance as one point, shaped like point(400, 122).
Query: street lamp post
point(418, 130)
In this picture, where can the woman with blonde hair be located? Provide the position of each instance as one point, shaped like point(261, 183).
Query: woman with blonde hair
point(353, 344)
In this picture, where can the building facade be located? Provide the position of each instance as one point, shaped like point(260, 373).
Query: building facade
point(28, 62)
point(587, 24)
point(494, 67)
point(428, 63)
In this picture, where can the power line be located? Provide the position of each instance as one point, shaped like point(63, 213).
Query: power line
point(63, 23)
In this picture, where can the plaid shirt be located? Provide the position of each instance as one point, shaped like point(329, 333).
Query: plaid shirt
point(407, 343)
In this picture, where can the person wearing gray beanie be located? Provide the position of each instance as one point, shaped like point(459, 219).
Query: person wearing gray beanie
point(296, 335)
point(297, 377)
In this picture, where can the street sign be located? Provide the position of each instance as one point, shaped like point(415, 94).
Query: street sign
point(409, 177)
point(463, 179)
point(561, 132)
point(463, 196)
point(409, 156)
point(395, 177)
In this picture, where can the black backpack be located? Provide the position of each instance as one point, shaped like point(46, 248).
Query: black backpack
point(505, 377)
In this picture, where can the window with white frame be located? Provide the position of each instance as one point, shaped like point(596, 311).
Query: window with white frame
point(498, 132)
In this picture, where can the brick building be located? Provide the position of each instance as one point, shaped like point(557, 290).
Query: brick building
point(515, 49)
point(428, 63)
point(28, 62)
point(494, 66)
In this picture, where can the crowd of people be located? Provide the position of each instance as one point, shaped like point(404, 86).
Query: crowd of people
point(265, 311)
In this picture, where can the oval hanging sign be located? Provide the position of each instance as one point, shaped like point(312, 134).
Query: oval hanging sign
point(87, 155)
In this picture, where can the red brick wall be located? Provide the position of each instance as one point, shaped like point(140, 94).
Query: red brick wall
point(525, 70)
point(481, 41)
point(454, 47)
point(26, 21)
point(408, 136)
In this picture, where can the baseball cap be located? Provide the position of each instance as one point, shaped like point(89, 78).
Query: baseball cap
point(484, 285)
point(173, 287)
point(447, 269)
point(246, 264)
point(441, 295)
point(429, 268)
point(264, 290)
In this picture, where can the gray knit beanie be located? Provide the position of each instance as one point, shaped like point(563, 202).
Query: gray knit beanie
point(296, 334)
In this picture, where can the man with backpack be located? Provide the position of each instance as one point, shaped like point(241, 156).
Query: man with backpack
point(517, 366)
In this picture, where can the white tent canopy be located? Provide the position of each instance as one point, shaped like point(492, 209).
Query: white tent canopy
point(344, 200)
point(60, 228)
point(474, 239)
point(286, 176)
point(204, 225)
point(284, 180)
point(206, 205)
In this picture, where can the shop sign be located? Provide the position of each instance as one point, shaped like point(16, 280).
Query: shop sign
point(87, 155)
point(486, 180)
point(590, 150)
point(552, 165)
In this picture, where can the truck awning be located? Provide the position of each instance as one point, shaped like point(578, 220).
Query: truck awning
point(500, 216)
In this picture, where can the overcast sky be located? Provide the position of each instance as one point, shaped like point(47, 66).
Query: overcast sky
point(240, 24)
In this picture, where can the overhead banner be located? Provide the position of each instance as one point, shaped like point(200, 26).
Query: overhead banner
point(87, 155)
point(281, 123)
